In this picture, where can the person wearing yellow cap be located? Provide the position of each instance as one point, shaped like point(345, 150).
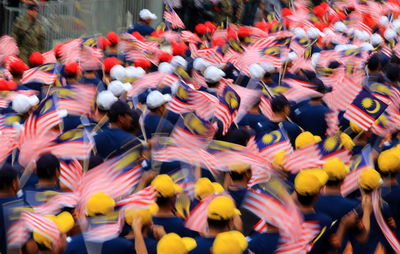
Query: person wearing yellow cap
point(174, 244)
point(220, 215)
point(203, 188)
point(166, 197)
point(305, 139)
point(99, 211)
point(232, 242)
point(240, 174)
point(308, 184)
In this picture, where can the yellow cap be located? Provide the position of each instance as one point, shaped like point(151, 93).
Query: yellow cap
point(203, 188)
point(239, 167)
point(279, 157)
point(389, 161)
point(369, 179)
point(222, 208)
point(305, 139)
point(100, 204)
point(165, 186)
point(218, 187)
point(335, 168)
point(310, 181)
point(173, 244)
point(64, 221)
point(354, 127)
point(232, 242)
point(346, 141)
point(145, 215)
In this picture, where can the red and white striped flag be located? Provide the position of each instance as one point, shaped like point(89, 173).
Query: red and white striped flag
point(141, 199)
point(77, 99)
point(46, 74)
point(8, 47)
point(71, 173)
point(56, 203)
point(172, 17)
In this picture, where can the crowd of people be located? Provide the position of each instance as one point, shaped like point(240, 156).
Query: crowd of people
point(282, 137)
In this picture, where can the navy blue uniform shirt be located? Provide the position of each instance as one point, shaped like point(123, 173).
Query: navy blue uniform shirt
point(141, 28)
point(312, 118)
point(110, 140)
point(117, 245)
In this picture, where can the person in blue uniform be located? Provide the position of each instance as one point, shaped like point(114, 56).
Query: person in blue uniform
point(232, 242)
point(122, 122)
point(268, 242)
point(220, 214)
point(100, 208)
point(213, 75)
point(154, 121)
point(311, 116)
point(240, 175)
point(144, 26)
point(47, 185)
point(254, 119)
point(166, 196)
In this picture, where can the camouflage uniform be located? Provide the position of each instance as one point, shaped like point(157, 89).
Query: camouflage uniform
point(224, 12)
point(29, 35)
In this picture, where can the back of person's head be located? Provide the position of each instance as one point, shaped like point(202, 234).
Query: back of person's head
point(279, 104)
point(308, 184)
point(8, 177)
point(94, 161)
point(117, 109)
point(238, 171)
point(393, 73)
point(373, 63)
point(238, 136)
point(47, 167)
point(220, 213)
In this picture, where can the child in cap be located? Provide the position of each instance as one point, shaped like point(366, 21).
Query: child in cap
point(146, 17)
point(155, 121)
point(240, 174)
point(221, 213)
point(231, 242)
point(174, 244)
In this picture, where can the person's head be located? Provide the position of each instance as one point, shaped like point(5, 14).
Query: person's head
point(373, 63)
point(23, 104)
point(231, 242)
point(157, 102)
point(308, 184)
point(9, 180)
point(280, 106)
point(36, 59)
point(166, 191)
point(269, 71)
point(105, 100)
point(204, 187)
point(72, 71)
point(121, 116)
point(145, 215)
point(174, 244)
point(213, 75)
point(32, 10)
point(305, 139)
point(369, 180)
point(48, 167)
point(240, 172)
point(146, 16)
point(99, 204)
point(220, 213)
point(389, 163)
point(336, 170)
point(17, 68)
point(239, 136)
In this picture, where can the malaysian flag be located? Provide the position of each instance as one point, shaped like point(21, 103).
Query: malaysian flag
point(129, 42)
point(212, 55)
point(181, 101)
point(56, 203)
point(293, 90)
point(228, 107)
point(333, 147)
point(139, 200)
point(77, 99)
point(8, 47)
point(102, 228)
point(46, 74)
point(152, 81)
point(197, 220)
point(307, 157)
point(172, 17)
point(71, 173)
point(365, 109)
point(265, 104)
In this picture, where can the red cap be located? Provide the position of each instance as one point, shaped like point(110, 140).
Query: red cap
point(138, 36)
point(157, 33)
point(144, 63)
point(113, 38)
point(244, 32)
point(103, 42)
point(179, 48)
point(110, 62)
point(319, 11)
point(265, 26)
point(57, 50)
point(18, 67)
point(71, 68)
point(324, 5)
point(320, 25)
point(210, 26)
point(7, 85)
point(218, 41)
point(286, 12)
point(36, 59)
point(164, 56)
point(201, 29)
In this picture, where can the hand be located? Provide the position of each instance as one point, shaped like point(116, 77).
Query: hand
point(349, 219)
point(137, 225)
point(148, 176)
point(158, 231)
point(366, 203)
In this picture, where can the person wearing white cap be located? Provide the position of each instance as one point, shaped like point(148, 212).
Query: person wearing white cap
point(23, 104)
point(144, 26)
point(118, 72)
point(154, 121)
point(117, 88)
point(212, 75)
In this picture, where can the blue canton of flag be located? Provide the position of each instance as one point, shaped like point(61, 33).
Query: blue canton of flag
point(228, 107)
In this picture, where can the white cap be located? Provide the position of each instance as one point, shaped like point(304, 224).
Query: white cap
point(178, 61)
point(134, 72)
point(390, 34)
point(396, 24)
point(268, 68)
point(383, 20)
point(118, 72)
point(146, 14)
point(199, 64)
point(213, 74)
point(165, 67)
point(361, 35)
point(376, 39)
point(291, 56)
point(313, 33)
point(340, 27)
point(367, 46)
point(314, 59)
point(299, 32)
point(118, 88)
point(155, 99)
point(22, 103)
point(105, 99)
point(256, 71)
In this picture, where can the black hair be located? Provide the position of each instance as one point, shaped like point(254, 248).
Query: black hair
point(118, 108)
point(47, 166)
point(279, 103)
point(236, 176)
point(8, 175)
point(373, 63)
point(94, 161)
point(212, 84)
point(306, 200)
point(334, 65)
point(218, 224)
point(165, 201)
point(393, 73)
point(238, 136)
point(333, 183)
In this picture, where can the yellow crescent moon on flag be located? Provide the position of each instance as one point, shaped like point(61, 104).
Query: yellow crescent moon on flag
point(277, 134)
point(376, 109)
point(182, 92)
point(231, 99)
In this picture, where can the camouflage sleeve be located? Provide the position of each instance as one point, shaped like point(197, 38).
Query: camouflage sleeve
point(19, 30)
point(226, 9)
point(41, 36)
point(239, 11)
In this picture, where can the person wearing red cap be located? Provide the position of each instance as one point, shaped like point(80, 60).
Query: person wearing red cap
point(7, 85)
point(164, 56)
point(144, 63)
point(108, 63)
point(57, 51)
point(36, 59)
point(244, 34)
point(16, 69)
point(112, 49)
point(179, 49)
point(72, 72)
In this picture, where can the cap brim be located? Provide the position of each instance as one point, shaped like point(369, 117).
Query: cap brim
point(189, 243)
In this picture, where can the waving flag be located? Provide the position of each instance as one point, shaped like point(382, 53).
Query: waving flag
point(38, 223)
point(76, 99)
point(102, 228)
point(293, 90)
point(332, 147)
point(365, 109)
point(46, 74)
point(197, 220)
point(8, 47)
point(141, 199)
point(182, 99)
point(172, 17)
point(73, 144)
point(56, 203)
point(151, 80)
point(228, 107)
point(307, 157)
point(71, 173)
